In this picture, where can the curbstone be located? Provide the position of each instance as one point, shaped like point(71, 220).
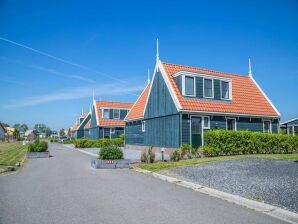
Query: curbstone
point(32, 155)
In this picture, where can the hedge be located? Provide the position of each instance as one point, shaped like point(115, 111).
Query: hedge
point(38, 146)
point(110, 152)
point(98, 143)
point(223, 142)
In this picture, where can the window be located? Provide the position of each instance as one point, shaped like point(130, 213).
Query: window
point(143, 126)
point(231, 124)
point(106, 113)
point(208, 88)
point(295, 130)
point(225, 90)
point(116, 113)
point(206, 122)
point(189, 89)
point(112, 130)
point(267, 126)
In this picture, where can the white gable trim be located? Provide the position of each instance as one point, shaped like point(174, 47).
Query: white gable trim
point(159, 67)
point(96, 112)
point(136, 103)
point(254, 81)
point(84, 120)
point(288, 121)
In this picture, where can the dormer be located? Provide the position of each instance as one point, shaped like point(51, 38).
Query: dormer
point(204, 86)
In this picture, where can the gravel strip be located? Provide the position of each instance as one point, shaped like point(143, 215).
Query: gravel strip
point(269, 180)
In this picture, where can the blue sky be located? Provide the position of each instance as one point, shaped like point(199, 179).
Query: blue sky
point(109, 45)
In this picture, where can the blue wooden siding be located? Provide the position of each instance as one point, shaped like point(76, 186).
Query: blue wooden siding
point(160, 102)
point(133, 133)
point(2, 133)
point(178, 80)
point(163, 131)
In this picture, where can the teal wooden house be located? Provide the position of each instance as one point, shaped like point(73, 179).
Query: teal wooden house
point(77, 131)
point(290, 126)
point(107, 119)
point(182, 102)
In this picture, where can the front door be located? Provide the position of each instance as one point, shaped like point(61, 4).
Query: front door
point(196, 132)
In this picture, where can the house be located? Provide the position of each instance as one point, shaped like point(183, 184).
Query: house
point(2, 132)
point(182, 102)
point(291, 126)
point(31, 135)
point(77, 130)
point(9, 132)
point(107, 119)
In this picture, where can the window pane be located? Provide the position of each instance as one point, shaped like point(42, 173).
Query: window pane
point(106, 114)
point(225, 90)
point(266, 126)
point(231, 124)
point(116, 114)
point(206, 122)
point(189, 86)
point(208, 87)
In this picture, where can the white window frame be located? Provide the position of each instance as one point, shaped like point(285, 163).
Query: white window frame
point(231, 118)
point(113, 130)
point(102, 113)
point(208, 126)
point(114, 114)
point(143, 126)
point(270, 127)
point(230, 90)
point(212, 88)
point(194, 85)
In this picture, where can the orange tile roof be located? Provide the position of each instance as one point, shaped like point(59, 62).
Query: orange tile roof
point(246, 96)
point(137, 110)
point(87, 125)
point(110, 104)
point(74, 127)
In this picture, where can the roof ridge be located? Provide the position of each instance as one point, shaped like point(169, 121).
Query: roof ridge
point(206, 69)
point(107, 101)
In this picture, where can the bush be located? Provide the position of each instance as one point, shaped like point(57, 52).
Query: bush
point(176, 155)
point(186, 150)
point(111, 152)
point(148, 156)
point(67, 142)
point(98, 143)
point(222, 142)
point(54, 139)
point(38, 146)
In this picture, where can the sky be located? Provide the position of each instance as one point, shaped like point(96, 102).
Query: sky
point(53, 54)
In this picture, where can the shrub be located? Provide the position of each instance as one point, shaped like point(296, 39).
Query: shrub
point(111, 152)
point(67, 142)
point(222, 142)
point(38, 146)
point(148, 156)
point(54, 139)
point(97, 143)
point(186, 150)
point(176, 155)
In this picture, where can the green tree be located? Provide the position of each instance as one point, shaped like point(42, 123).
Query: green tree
point(24, 127)
point(62, 132)
point(40, 128)
point(5, 125)
point(48, 132)
point(16, 134)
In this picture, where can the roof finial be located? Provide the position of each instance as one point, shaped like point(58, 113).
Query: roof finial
point(148, 80)
point(249, 68)
point(93, 95)
point(90, 109)
point(157, 53)
point(82, 111)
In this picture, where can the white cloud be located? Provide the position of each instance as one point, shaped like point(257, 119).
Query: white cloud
point(76, 93)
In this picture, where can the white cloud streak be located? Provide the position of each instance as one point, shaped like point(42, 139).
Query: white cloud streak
point(77, 93)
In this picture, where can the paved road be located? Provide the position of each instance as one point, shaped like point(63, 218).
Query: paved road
point(65, 189)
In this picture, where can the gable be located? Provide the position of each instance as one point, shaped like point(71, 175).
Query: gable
point(160, 101)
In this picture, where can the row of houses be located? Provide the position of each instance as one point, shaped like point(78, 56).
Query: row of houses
point(179, 105)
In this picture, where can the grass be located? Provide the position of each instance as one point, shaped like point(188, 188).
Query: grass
point(166, 165)
point(10, 154)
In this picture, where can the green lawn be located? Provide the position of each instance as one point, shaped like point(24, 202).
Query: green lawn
point(11, 153)
point(165, 165)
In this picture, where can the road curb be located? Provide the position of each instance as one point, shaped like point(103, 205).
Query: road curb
point(264, 208)
point(82, 151)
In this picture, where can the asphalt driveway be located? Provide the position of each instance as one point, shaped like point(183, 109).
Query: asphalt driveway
point(270, 180)
point(65, 189)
